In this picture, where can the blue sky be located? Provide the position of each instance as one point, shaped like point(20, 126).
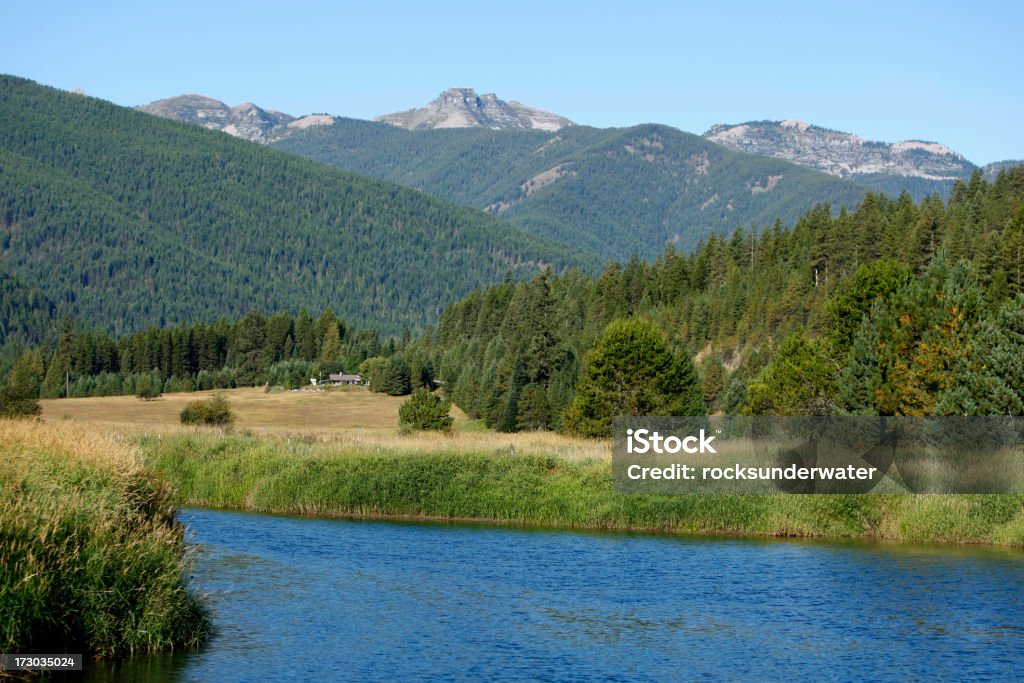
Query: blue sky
point(943, 71)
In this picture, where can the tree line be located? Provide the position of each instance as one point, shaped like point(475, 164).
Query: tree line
point(278, 350)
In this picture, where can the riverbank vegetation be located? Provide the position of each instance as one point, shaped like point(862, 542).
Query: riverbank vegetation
point(441, 479)
point(91, 557)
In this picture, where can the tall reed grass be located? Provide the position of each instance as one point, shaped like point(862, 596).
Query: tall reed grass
point(91, 557)
point(265, 474)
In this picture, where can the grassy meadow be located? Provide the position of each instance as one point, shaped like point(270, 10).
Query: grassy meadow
point(339, 453)
point(326, 412)
point(350, 419)
point(92, 559)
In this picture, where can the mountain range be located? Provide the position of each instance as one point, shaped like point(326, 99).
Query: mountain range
point(918, 166)
point(454, 108)
point(127, 219)
point(612, 191)
point(994, 169)
point(607, 192)
point(246, 121)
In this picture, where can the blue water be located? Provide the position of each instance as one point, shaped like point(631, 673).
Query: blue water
point(305, 599)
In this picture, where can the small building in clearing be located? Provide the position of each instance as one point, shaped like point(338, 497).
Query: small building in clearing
point(341, 378)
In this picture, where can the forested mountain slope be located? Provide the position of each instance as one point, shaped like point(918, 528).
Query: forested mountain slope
point(127, 220)
point(26, 315)
point(613, 192)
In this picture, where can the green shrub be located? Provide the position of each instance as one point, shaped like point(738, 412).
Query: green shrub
point(425, 410)
point(212, 411)
point(148, 391)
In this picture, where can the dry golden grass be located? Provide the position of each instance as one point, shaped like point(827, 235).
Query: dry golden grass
point(471, 442)
point(253, 409)
point(354, 419)
point(86, 444)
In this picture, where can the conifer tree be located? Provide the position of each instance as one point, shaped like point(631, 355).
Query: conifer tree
point(247, 350)
point(330, 351)
point(534, 412)
point(632, 371)
point(19, 395)
point(305, 337)
point(427, 411)
point(395, 377)
point(53, 381)
point(799, 381)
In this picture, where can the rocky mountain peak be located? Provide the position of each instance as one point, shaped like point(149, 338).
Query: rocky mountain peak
point(465, 108)
point(245, 120)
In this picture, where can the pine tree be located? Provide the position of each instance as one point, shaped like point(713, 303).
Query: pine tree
point(427, 411)
point(372, 372)
point(534, 412)
point(247, 348)
point(991, 379)
point(19, 395)
point(53, 382)
point(305, 337)
point(799, 381)
point(325, 321)
point(712, 382)
point(632, 371)
point(918, 351)
point(862, 374)
point(856, 296)
point(516, 380)
point(395, 377)
point(330, 351)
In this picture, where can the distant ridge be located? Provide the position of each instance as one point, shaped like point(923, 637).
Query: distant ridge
point(611, 192)
point(996, 167)
point(844, 154)
point(246, 121)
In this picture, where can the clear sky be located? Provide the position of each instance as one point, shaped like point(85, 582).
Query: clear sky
point(944, 71)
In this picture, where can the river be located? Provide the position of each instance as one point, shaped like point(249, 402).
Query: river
point(297, 599)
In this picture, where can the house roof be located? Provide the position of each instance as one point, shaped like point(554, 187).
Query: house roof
point(335, 377)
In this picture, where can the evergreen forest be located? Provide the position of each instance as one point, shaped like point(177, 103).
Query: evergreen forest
point(894, 308)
